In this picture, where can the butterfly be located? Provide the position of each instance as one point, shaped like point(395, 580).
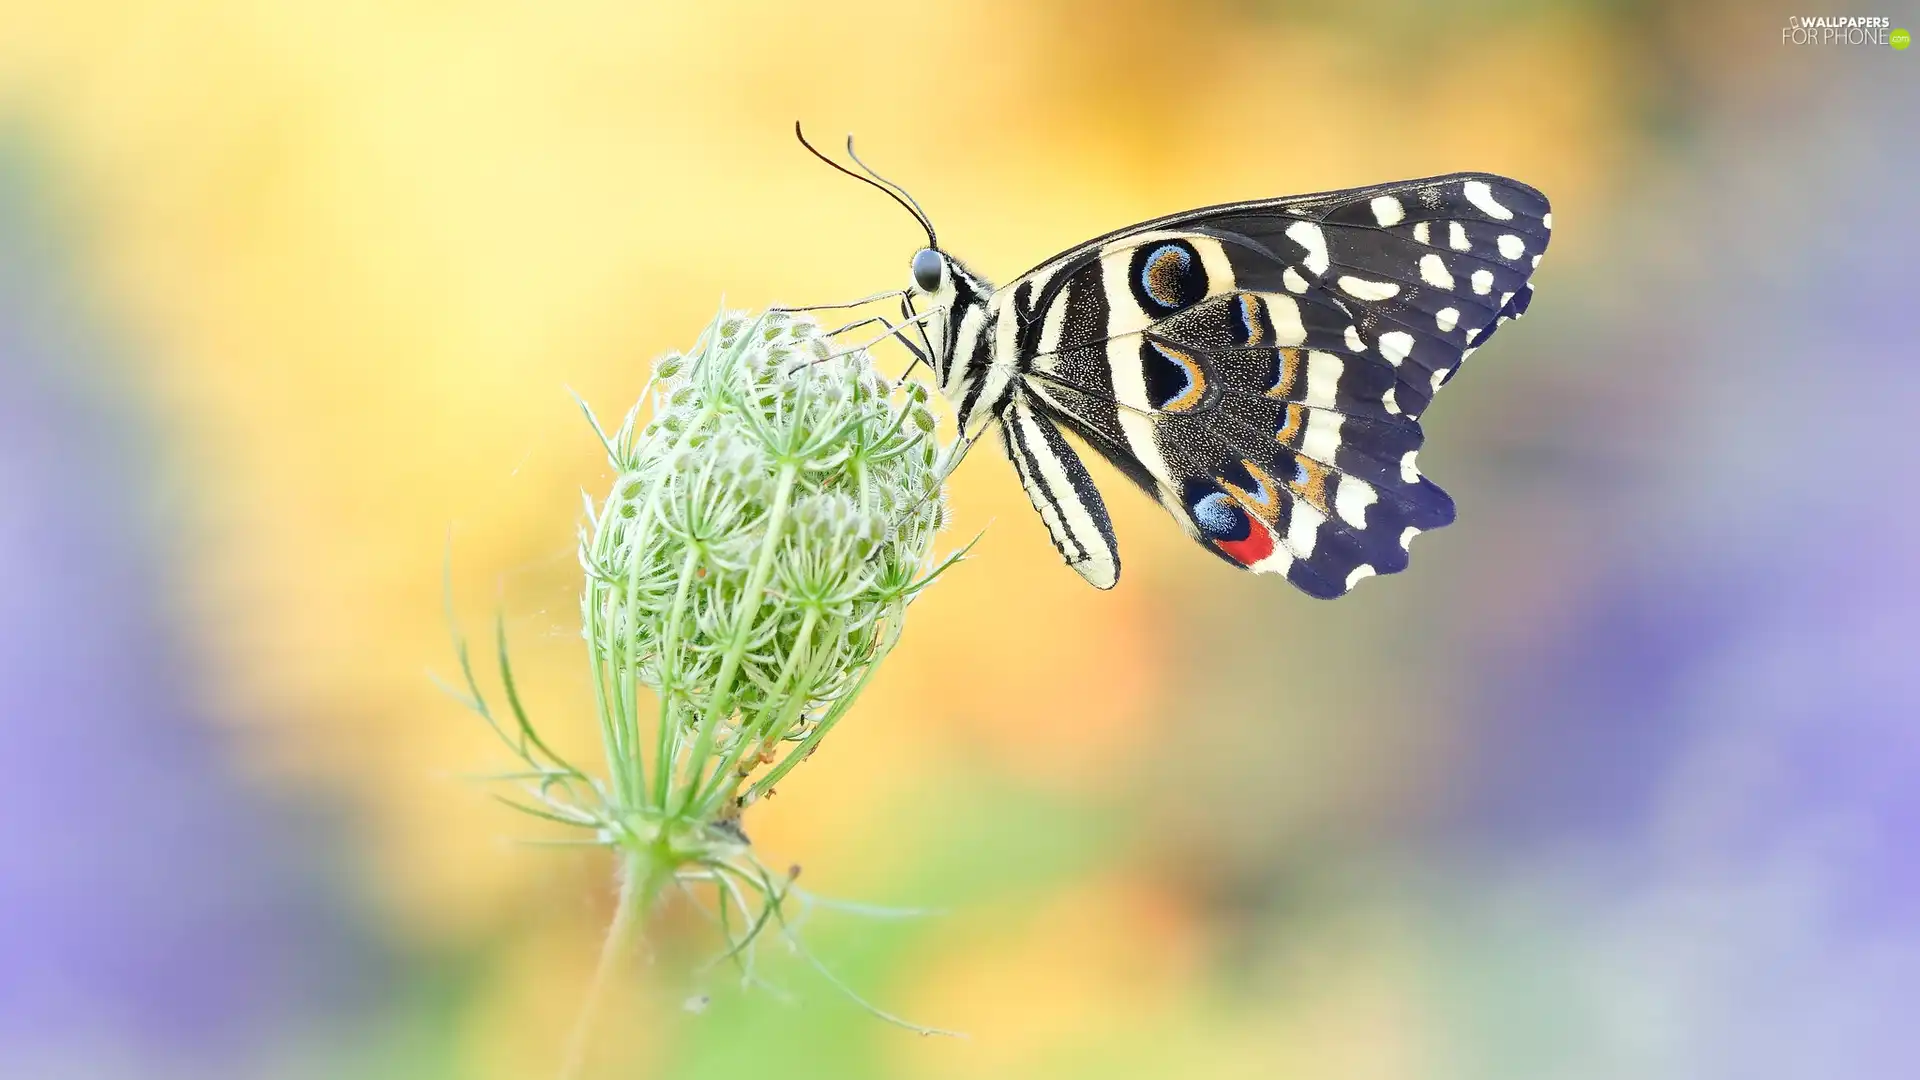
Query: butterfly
point(1258, 368)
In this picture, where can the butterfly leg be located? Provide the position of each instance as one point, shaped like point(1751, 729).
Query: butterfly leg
point(924, 354)
point(896, 331)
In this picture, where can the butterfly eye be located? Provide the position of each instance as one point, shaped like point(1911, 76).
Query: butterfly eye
point(928, 267)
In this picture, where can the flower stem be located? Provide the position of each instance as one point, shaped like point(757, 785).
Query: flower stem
point(642, 878)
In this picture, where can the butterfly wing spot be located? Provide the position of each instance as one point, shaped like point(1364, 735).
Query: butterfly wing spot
point(1351, 499)
point(1406, 538)
point(1457, 237)
point(1168, 276)
point(1363, 289)
point(1481, 196)
point(1293, 421)
point(1323, 379)
point(1353, 340)
point(1446, 319)
point(1386, 399)
point(1312, 483)
point(1409, 472)
point(1511, 246)
point(1440, 378)
point(1396, 346)
point(1423, 232)
point(1387, 211)
point(1482, 282)
point(1547, 219)
point(1314, 243)
point(1433, 271)
point(1255, 489)
point(1252, 328)
point(1293, 281)
point(1359, 573)
point(1228, 526)
point(1176, 380)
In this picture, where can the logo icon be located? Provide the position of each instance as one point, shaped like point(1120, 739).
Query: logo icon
point(1899, 39)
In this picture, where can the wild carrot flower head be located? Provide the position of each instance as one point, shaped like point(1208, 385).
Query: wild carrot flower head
point(767, 528)
point(756, 556)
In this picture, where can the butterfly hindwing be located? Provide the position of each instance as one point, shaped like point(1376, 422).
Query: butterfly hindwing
point(1260, 368)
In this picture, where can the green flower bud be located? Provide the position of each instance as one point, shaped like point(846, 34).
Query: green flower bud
point(751, 566)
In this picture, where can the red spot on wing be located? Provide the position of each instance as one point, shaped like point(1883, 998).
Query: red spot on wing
point(1256, 545)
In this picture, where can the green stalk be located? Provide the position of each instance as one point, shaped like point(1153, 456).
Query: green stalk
point(642, 879)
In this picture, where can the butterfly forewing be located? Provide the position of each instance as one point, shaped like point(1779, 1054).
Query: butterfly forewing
point(1259, 368)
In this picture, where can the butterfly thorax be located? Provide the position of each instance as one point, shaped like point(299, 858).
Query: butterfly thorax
point(974, 338)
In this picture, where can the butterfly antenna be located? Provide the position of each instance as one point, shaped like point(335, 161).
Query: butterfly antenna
point(898, 192)
point(906, 203)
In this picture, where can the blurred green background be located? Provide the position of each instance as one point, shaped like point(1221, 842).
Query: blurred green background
point(1620, 780)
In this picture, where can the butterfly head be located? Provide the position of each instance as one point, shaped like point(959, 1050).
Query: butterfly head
point(942, 281)
point(949, 291)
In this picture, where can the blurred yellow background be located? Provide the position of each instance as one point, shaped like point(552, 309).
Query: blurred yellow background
point(351, 256)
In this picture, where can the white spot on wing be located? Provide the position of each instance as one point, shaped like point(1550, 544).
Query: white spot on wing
point(1362, 289)
point(1276, 563)
point(1406, 538)
point(1395, 345)
point(1387, 400)
point(1482, 282)
point(1359, 572)
point(1423, 232)
point(1351, 499)
point(1353, 340)
point(1440, 378)
point(1511, 246)
point(1322, 439)
point(1303, 529)
point(1457, 237)
point(1284, 311)
point(1292, 280)
point(1387, 210)
point(1434, 272)
point(1409, 472)
point(1480, 195)
point(1547, 219)
point(1536, 262)
point(1446, 319)
point(1309, 236)
point(1323, 378)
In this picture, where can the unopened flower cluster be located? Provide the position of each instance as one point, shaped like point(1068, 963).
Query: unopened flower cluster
point(754, 559)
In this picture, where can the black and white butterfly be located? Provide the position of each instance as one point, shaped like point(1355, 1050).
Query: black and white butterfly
point(1259, 368)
